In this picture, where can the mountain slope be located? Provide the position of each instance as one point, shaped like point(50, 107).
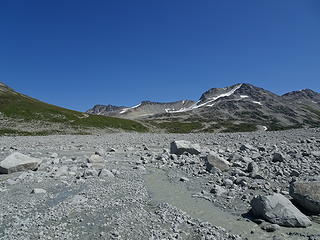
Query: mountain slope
point(240, 107)
point(145, 108)
point(21, 113)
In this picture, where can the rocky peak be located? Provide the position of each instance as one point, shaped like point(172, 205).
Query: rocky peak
point(104, 108)
point(302, 93)
point(216, 92)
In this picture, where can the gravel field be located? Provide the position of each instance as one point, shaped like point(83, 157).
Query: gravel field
point(146, 186)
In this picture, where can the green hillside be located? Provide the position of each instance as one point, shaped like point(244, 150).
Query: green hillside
point(21, 107)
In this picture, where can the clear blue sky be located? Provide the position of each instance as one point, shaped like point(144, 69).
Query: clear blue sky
point(80, 53)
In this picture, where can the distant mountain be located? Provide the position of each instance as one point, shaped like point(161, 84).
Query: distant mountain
point(303, 96)
point(102, 109)
point(233, 108)
point(143, 109)
point(236, 108)
point(21, 114)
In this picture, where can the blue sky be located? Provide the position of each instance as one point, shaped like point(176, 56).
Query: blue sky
point(77, 53)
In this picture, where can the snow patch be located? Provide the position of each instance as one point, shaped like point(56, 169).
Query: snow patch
point(127, 109)
point(264, 128)
point(197, 105)
point(124, 110)
point(244, 96)
point(256, 102)
point(136, 106)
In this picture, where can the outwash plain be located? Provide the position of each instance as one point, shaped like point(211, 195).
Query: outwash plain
point(259, 185)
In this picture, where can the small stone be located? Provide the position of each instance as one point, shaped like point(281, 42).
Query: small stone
point(38, 191)
point(184, 179)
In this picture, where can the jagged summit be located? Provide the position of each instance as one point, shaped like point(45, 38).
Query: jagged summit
point(100, 109)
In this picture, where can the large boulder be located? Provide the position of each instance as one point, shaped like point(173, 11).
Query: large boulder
point(214, 161)
point(279, 210)
point(17, 162)
point(307, 195)
point(182, 146)
point(95, 158)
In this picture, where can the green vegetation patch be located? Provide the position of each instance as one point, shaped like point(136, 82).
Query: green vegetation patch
point(317, 112)
point(19, 106)
point(14, 132)
point(228, 126)
point(274, 125)
point(178, 127)
point(241, 127)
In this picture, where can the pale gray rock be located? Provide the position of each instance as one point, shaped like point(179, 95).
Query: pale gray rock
point(95, 158)
point(184, 179)
point(269, 227)
point(279, 210)
point(218, 190)
point(182, 146)
point(38, 191)
point(90, 173)
point(18, 162)
point(100, 152)
point(62, 171)
point(307, 194)
point(104, 173)
point(316, 154)
point(54, 155)
point(214, 161)
point(246, 147)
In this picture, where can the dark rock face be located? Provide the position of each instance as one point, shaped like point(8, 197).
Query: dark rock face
point(102, 109)
point(307, 194)
point(302, 95)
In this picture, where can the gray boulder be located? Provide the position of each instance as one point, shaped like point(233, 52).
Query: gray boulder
point(214, 161)
point(253, 167)
point(307, 194)
point(218, 190)
point(38, 191)
point(95, 158)
point(246, 146)
point(106, 173)
point(278, 157)
point(279, 210)
point(62, 171)
point(18, 162)
point(181, 146)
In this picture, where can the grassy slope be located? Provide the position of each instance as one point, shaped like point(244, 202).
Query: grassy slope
point(19, 106)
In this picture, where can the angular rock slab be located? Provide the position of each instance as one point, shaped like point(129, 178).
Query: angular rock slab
point(182, 146)
point(213, 160)
point(17, 162)
point(279, 210)
point(307, 194)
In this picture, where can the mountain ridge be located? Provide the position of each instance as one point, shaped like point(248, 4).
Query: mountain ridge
point(241, 103)
point(235, 108)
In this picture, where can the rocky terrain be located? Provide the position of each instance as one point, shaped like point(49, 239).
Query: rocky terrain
point(262, 185)
point(240, 107)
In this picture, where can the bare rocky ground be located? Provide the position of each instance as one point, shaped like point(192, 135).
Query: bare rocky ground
point(130, 186)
